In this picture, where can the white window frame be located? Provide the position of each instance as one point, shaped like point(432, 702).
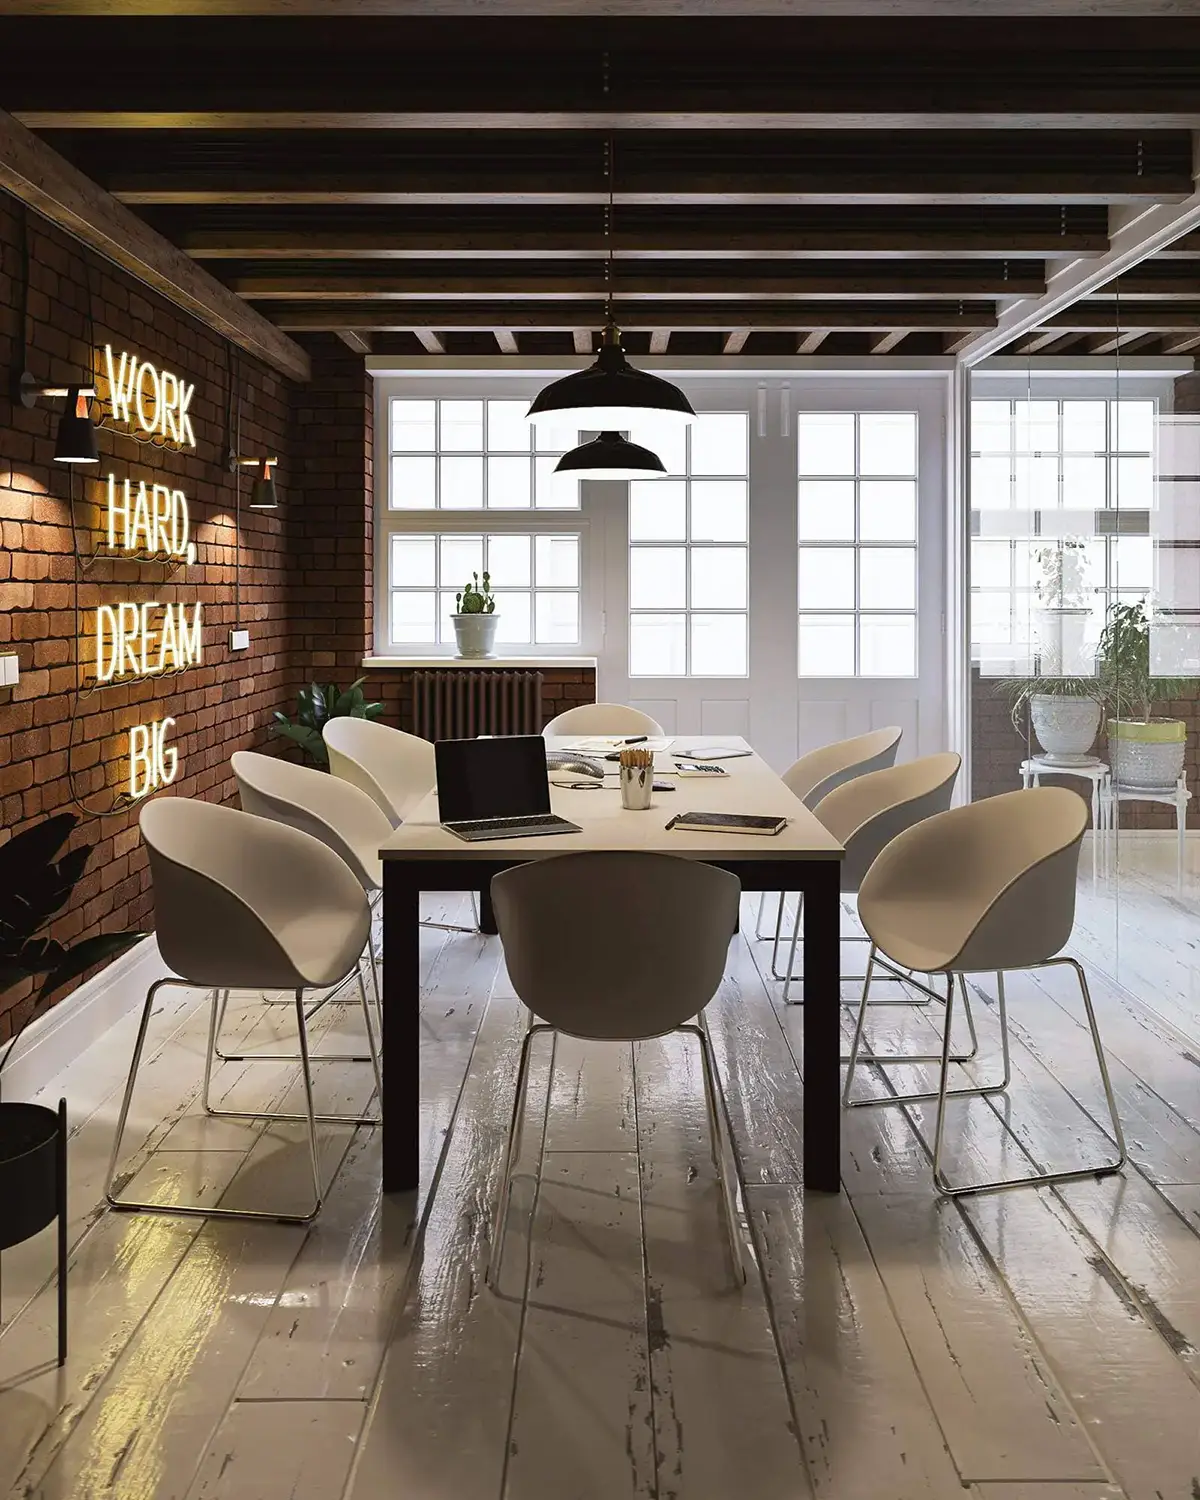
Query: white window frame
point(531, 521)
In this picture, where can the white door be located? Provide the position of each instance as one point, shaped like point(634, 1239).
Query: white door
point(701, 569)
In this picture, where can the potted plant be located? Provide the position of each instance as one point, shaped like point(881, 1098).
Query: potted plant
point(1064, 713)
point(1062, 613)
point(316, 704)
point(475, 618)
point(1144, 751)
point(34, 886)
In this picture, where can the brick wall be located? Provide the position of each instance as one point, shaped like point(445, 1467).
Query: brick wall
point(220, 706)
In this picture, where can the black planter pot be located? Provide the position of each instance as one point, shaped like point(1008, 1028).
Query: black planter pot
point(33, 1185)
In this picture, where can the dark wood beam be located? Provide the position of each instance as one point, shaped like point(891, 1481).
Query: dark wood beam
point(735, 341)
point(727, 281)
point(888, 341)
point(1094, 316)
point(659, 340)
point(811, 342)
point(38, 176)
point(579, 319)
point(506, 341)
point(1108, 343)
point(429, 340)
point(360, 343)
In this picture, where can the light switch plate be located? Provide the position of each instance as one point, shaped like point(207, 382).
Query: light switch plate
point(10, 673)
point(239, 640)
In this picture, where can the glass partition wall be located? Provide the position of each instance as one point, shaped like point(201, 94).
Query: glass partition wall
point(1084, 482)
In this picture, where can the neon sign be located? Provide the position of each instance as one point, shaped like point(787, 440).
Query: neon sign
point(148, 520)
point(155, 400)
point(153, 763)
point(130, 643)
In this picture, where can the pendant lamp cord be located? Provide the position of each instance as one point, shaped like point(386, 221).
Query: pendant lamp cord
point(608, 226)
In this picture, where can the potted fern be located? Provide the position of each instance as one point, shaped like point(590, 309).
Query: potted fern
point(1144, 751)
point(475, 618)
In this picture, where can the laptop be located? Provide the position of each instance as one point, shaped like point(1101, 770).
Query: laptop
point(496, 788)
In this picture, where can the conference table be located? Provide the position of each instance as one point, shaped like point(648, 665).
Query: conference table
point(421, 856)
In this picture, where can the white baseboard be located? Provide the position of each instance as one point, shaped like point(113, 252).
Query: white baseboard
point(48, 1044)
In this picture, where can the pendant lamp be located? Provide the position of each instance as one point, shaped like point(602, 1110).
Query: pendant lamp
point(262, 491)
point(610, 456)
point(76, 443)
point(611, 394)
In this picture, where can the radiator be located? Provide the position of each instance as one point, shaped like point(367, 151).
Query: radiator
point(452, 704)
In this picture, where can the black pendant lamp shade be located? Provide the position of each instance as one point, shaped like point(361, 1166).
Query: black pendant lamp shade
point(610, 456)
point(76, 442)
point(262, 491)
point(609, 394)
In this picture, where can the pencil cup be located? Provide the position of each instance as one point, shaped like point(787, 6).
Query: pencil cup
point(636, 785)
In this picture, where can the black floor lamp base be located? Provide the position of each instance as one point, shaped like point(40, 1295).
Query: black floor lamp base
point(33, 1185)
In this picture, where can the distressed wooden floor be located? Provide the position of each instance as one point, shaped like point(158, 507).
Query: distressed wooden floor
point(1036, 1345)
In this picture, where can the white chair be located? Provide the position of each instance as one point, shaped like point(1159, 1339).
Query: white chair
point(603, 718)
point(396, 770)
point(243, 903)
point(985, 888)
point(867, 813)
point(616, 947)
point(814, 776)
point(337, 813)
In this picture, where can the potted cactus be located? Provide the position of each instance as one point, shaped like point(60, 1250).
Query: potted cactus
point(475, 618)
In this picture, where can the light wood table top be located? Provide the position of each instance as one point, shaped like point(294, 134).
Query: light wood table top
point(750, 787)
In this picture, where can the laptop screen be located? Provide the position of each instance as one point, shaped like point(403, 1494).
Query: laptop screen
point(504, 777)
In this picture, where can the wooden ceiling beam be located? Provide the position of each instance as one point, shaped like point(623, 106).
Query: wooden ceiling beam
point(48, 183)
point(580, 320)
point(1109, 343)
point(811, 342)
point(360, 343)
point(1032, 342)
point(888, 341)
point(1095, 316)
point(740, 282)
point(506, 341)
point(735, 341)
point(429, 341)
point(659, 339)
point(1181, 344)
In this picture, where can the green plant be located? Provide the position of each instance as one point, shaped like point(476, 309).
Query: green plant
point(1019, 690)
point(1063, 583)
point(34, 887)
point(475, 600)
point(315, 706)
point(1127, 686)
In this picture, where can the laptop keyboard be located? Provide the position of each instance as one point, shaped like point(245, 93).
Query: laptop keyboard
point(531, 821)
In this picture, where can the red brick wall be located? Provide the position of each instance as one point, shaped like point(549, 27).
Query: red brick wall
point(220, 706)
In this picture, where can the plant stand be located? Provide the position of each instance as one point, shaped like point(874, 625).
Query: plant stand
point(1097, 773)
point(1176, 796)
point(33, 1185)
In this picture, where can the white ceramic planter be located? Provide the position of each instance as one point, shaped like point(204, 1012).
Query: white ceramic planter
point(1146, 755)
point(1060, 642)
point(475, 634)
point(1065, 727)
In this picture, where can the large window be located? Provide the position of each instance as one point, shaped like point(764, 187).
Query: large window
point(1062, 492)
point(857, 531)
point(689, 553)
point(471, 488)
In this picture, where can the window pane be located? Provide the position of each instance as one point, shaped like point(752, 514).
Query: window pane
point(667, 439)
point(413, 616)
point(990, 565)
point(720, 443)
point(1133, 426)
point(413, 562)
point(413, 481)
point(826, 646)
point(826, 510)
point(557, 559)
point(413, 426)
point(826, 578)
point(657, 645)
point(887, 510)
point(991, 486)
point(825, 442)
point(554, 491)
point(657, 510)
point(719, 645)
point(508, 562)
point(719, 510)
point(447, 605)
point(1133, 562)
point(558, 439)
point(462, 483)
point(1037, 482)
point(508, 483)
point(657, 577)
point(1133, 483)
point(1084, 428)
point(1083, 483)
point(887, 442)
point(462, 426)
point(557, 619)
point(887, 578)
point(718, 578)
point(515, 627)
point(887, 645)
point(507, 428)
point(991, 426)
point(991, 617)
point(1035, 426)
point(460, 557)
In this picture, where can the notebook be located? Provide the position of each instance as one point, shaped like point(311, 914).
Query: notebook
point(723, 822)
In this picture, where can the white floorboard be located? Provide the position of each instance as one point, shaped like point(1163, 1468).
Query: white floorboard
point(887, 1345)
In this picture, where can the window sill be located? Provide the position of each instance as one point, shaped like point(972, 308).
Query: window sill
point(400, 663)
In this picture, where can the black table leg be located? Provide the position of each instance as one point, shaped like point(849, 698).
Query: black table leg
point(401, 1042)
point(487, 917)
point(822, 1027)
